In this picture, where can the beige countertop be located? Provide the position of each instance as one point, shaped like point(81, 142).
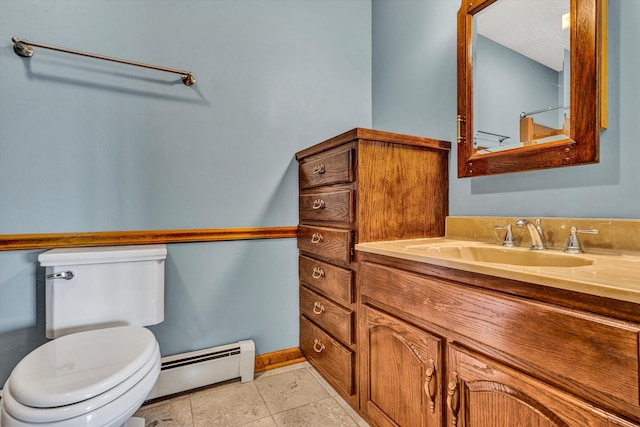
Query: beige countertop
point(609, 273)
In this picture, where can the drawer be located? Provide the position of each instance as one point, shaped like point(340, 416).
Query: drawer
point(569, 348)
point(337, 321)
point(329, 280)
point(335, 206)
point(334, 361)
point(330, 243)
point(332, 169)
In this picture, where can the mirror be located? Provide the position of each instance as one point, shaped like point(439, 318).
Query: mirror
point(521, 106)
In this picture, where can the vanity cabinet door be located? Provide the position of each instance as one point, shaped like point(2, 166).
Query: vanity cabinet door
point(401, 372)
point(481, 392)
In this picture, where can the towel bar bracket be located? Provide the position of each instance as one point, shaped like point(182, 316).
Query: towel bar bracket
point(21, 49)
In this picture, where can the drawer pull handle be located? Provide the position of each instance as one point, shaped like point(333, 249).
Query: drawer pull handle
point(318, 346)
point(316, 238)
point(318, 308)
point(453, 398)
point(319, 169)
point(431, 385)
point(318, 204)
point(318, 273)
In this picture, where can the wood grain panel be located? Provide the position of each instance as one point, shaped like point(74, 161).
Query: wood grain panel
point(335, 361)
point(330, 280)
point(599, 355)
point(370, 134)
point(278, 359)
point(328, 315)
point(14, 242)
point(493, 394)
point(326, 242)
point(328, 206)
point(397, 183)
point(328, 170)
point(396, 388)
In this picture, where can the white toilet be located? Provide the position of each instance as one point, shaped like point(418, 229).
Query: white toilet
point(102, 363)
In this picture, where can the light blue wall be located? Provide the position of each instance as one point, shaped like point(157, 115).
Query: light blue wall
point(508, 83)
point(89, 145)
point(414, 91)
point(273, 77)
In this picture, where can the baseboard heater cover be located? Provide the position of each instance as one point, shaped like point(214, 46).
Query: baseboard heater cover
point(188, 371)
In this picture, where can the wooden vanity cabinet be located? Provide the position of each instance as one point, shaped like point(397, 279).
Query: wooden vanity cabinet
point(360, 186)
point(504, 353)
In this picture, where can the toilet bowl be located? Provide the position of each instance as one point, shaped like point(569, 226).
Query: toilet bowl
point(92, 378)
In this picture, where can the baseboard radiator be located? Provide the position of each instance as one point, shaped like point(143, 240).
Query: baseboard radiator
point(201, 368)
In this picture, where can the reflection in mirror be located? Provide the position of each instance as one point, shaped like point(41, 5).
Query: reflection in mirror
point(521, 74)
point(521, 106)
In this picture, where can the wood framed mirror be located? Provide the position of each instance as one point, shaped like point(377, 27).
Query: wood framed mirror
point(505, 123)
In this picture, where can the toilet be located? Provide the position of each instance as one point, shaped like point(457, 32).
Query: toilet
point(101, 362)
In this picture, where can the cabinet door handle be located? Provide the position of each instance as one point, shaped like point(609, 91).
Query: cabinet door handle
point(431, 385)
point(319, 169)
point(318, 346)
point(318, 204)
point(318, 308)
point(316, 238)
point(318, 273)
point(453, 398)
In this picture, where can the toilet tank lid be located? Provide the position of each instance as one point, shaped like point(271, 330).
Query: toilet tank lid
point(101, 255)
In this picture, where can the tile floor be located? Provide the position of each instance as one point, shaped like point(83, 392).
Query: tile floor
point(294, 395)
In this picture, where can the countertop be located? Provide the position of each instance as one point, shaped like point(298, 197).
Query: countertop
point(612, 275)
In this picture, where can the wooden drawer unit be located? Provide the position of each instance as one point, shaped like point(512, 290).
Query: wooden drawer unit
point(333, 360)
point(332, 281)
point(327, 170)
point(334, 206)
point(330, 243)
point(360, 186)
point(334, 319)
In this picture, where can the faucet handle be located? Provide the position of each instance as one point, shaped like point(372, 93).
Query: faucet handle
point(573, 244)
point(508, 237)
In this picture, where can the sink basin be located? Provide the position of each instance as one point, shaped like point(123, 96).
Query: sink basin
point(506, 256)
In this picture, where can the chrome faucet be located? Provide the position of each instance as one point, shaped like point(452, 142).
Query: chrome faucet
point(538, 242)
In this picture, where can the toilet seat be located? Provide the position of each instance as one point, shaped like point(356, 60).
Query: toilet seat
point(115, 413)
point(79, 373)
point(80, 366)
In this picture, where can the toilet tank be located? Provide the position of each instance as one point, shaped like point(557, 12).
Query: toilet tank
point(94, 288)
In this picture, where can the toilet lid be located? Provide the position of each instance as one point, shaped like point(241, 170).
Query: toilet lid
point(80, 366)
